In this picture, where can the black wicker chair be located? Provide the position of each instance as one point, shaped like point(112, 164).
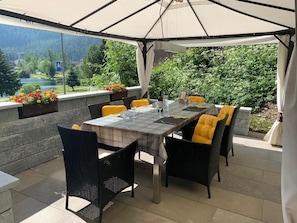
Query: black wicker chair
point(95, 180)
point(227, 141)
point(195, 161)
point(95, 109)
point(127, 101)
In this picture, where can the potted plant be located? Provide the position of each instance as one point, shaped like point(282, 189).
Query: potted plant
point(118, 91)
point(35, 103)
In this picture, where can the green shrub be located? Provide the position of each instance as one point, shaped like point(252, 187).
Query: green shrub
point(244, 75)
point(28, 88)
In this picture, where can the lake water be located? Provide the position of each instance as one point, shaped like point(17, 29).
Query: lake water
point(45, 84)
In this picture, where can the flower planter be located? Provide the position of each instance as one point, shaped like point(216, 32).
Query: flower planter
point(37, 109)
point(118, 96)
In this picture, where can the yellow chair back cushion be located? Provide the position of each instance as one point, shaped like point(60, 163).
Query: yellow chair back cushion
point(76, 126)
point(205, 128)
point(193, 98)
point(112, 109)
point(140, 102)
point(226, 109)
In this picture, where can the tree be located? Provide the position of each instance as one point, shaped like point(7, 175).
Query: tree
point(47, 65)
point(52, 69)
point(9, 82)
point(72, 79)
point(121, 60)
point(94, 60)
point(30, 64)
point(44, 65)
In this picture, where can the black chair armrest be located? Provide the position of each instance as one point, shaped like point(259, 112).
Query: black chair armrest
point(107, 147)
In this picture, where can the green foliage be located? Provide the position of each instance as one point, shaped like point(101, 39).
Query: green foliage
point(51, 70)
point(29, 88)
point(121, 60)
point(85, 82)
point(259, 124)
point(30, 64)
point(9, 81)
point(243, 75)
point(72, 79)
point(94, 60)
point(101, 81)
point(22, 73)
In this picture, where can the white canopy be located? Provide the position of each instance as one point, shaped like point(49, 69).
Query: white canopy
point(151, 20)
point(176, 24)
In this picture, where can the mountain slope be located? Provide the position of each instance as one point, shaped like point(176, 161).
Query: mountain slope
point(17, 41)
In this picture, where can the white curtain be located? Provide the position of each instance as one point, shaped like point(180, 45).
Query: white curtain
point(289, 155)
point(144, 68)
point(275, 134)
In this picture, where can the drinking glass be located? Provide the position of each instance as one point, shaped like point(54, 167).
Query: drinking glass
point(166, 108)
point(160, 108)
point(133, 109)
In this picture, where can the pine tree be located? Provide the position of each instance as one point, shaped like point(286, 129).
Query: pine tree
point(9, 82)
point(72, 79)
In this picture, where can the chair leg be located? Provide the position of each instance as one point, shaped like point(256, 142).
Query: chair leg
point(67, 202)
point(166, 180)
point(100, 216)
point(132, 191)
point(219, 176)
point(227, 163)
point(208, 191)
point(232, 151)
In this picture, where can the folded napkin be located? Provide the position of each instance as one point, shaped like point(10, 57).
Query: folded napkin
point(194, 109)
point(170, 120)
point(177, 116)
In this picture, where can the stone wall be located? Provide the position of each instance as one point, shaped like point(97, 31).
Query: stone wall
point(25, 143)
point(242, 123)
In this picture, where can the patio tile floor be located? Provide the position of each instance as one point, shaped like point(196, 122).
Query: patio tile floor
point(249, 192)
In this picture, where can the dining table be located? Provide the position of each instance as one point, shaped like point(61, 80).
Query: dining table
point(148, 127)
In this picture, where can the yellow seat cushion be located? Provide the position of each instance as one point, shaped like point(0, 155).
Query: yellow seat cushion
point(112, 109)
point(226, 109)
point(205, 128)
point(193, 98)
point(140, 102)
point(76, 126)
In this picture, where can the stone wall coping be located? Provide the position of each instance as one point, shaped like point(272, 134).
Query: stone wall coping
point(66, 97)
point(244, 109)
point(88, 94)
point(7, 181)
point(9, 104)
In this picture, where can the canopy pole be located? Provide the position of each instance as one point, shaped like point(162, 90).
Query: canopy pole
point(144, 55)
point(144, 51)
point(63, 63)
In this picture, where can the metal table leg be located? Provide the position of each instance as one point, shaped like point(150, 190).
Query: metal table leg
point(156, 183)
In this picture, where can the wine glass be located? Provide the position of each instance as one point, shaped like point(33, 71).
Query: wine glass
point(160, 107)
point(133, 109)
